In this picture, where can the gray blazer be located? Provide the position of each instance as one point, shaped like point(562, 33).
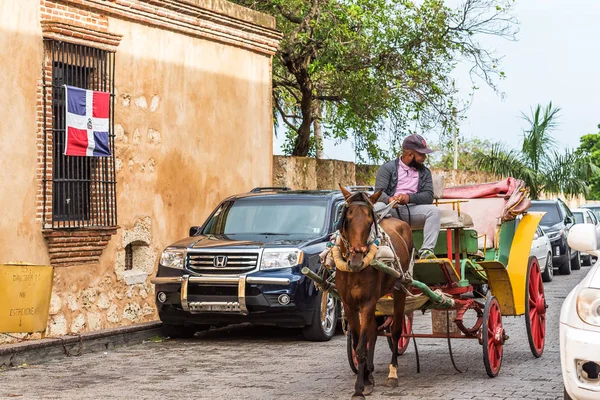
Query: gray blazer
point(387, 180)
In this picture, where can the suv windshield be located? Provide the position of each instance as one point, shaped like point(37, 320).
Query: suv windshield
point(254, 216)
point(551, 217)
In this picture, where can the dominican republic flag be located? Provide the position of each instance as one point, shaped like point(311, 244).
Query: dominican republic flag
point(86, 122)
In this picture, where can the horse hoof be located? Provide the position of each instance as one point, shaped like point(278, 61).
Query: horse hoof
point(392, 382)
point(358, 397)
point(368, 389)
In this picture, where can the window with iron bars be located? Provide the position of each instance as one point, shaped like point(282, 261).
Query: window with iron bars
point(82, 189)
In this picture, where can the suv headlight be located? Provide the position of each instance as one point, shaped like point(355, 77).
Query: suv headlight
point(588, 306)
point(554, 235)
point(172, 258)
point(281, 258)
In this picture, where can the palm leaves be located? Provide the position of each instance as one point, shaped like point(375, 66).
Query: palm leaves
point(539, 164)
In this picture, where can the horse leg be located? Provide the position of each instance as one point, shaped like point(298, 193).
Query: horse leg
point(399, 301)
point(371, 340)
point(365, 351)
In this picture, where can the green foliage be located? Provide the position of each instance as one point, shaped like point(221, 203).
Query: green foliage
point(590, 147)
point(539, 164)
point(469, 150)
point(376, 66)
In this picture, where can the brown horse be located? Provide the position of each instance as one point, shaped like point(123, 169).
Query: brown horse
point(361, 286)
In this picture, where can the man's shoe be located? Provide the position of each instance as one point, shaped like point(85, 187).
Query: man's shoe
point(426, 254)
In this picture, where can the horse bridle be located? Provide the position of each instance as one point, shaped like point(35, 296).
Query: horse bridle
point(364, 201)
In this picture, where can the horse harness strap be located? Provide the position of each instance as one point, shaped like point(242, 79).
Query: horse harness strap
point(334, 257)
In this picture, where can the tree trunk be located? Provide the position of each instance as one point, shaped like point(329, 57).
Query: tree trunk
point(306, 107)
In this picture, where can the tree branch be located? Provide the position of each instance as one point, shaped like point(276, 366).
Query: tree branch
point(284, 116)
point(290, 17)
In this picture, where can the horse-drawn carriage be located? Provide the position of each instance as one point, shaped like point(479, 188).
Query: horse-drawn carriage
point(482, 264)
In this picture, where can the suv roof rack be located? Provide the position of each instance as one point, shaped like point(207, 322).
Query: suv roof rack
point(269, 188)
point(355, 188)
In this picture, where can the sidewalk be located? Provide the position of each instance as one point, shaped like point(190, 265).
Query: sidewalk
point(42, 350)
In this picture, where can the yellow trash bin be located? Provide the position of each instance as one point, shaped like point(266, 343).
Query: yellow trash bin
point(25, 291)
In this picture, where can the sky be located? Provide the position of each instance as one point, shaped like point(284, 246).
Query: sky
point(556, 58)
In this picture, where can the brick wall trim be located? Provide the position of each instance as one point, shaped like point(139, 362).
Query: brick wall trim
point(80, 246)
point(83, 35)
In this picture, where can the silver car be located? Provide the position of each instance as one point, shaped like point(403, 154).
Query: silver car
point(541, 248)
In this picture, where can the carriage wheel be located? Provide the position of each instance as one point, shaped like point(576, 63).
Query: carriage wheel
point(535, 309)
point(352, 359)
point(406, 330)
point(492, 337)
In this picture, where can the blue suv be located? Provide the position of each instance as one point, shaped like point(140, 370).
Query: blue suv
point(243, 265)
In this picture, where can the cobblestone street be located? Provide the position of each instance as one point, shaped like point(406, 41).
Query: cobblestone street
point(268, 363)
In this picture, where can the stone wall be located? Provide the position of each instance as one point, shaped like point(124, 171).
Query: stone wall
point(310, 174)
point(306, 173)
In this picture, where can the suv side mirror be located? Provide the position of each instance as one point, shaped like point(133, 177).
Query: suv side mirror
point(195, 230)
point(568, 220)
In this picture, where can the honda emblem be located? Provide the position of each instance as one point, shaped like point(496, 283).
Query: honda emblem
point(220, 261)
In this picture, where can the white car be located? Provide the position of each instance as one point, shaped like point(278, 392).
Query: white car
point(586, 216)
point(541, 248)
point(580, 324)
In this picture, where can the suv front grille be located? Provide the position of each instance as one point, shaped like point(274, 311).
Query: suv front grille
point(222, 263)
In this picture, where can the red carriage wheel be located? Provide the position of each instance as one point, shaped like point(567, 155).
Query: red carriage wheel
point(406, 330)
point(352, 359)
point(535, 308)
point(492, 337)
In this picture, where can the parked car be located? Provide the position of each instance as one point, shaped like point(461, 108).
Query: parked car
point(580, 324)
point(556, 223)
point(542, 249)
point(594, 207)
point(586, 216)
point(243, 265)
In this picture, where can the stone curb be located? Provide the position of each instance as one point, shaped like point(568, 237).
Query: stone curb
point(43, 350)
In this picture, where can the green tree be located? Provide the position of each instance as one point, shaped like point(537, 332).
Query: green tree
point(365, 67)
point(590, 147)
point(469, 151)
point(539, 164)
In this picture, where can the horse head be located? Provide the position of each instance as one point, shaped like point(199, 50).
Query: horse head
point(356, 223)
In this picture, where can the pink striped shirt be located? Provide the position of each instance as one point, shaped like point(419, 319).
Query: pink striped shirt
point(408, 179)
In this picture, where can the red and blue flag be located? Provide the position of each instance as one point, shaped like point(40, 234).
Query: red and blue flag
point(87, 116)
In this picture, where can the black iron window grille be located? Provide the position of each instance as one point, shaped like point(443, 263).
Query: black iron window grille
point(82, 189)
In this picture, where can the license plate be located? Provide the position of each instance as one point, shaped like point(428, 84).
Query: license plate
point(229, 307)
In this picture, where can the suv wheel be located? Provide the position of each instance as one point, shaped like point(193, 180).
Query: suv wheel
point(322, 329)
point(576, 262)
point(549, 270)
point(565, 268)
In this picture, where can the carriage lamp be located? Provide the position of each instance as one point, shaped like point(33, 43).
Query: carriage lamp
point(172, 258)
point(281, 258)
point(588, 306)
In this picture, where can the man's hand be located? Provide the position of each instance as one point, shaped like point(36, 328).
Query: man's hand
point(401, 199)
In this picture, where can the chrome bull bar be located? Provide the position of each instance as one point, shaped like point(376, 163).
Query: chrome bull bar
point(218, 306)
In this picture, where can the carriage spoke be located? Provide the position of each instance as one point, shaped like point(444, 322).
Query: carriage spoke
point(532, 303)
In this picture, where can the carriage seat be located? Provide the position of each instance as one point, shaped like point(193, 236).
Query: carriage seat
point(490, 204)
point(449, 217)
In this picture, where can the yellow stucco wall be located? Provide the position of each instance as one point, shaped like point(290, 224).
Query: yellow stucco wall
point(21, 55)
point(193, 125)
